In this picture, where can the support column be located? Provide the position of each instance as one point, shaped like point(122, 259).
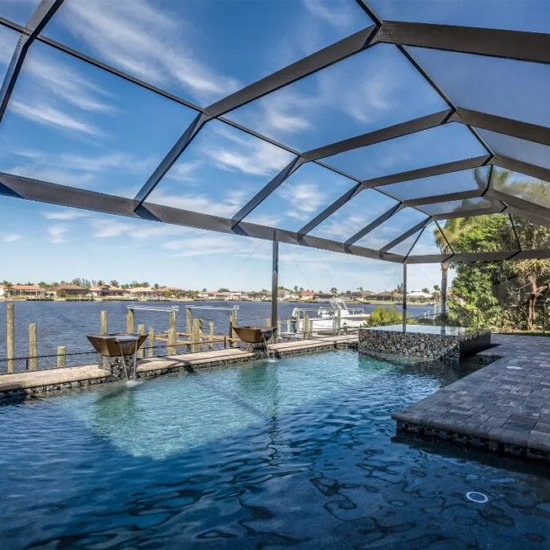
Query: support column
point(275, 288)
point(404, 295)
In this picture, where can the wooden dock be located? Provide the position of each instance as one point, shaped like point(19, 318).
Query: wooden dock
point(41, 382)
point(503, 407)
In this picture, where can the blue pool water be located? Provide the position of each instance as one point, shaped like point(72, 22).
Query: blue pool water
point(299, 453)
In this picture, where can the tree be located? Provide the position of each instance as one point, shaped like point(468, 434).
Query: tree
point(481, 290)
point(223, 289)
point(334, 291)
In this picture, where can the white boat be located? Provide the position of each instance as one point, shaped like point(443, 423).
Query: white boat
point(337, 316)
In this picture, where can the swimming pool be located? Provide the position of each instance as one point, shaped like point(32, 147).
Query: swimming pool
point(297, 453)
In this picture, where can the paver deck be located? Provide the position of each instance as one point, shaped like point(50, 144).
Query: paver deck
point(504, 406)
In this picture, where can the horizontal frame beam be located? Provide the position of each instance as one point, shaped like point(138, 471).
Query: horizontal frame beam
point(61, 195)
point(447, 197)
point(532, 170)
point(497, 209)
point(435, 170)
point(518, 45)
point(502, 125)
point(300, 69)
point(378, 136)
point(519, 203)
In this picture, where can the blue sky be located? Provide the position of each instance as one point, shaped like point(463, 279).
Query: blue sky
point(73, 124)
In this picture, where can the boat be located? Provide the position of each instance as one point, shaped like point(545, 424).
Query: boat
point(337, 316)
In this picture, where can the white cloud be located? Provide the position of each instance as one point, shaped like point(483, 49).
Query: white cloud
point(48, 115)
point(67, 84)
point(305, 198)
point(206, 244)
point(57, 233)
point(104, 227)
point(77, 170)
point(66, 215)
point(334, 13)
point(11, 237)
point(184, 171)
point(151, 43)
point(225, 207)
point(246, 154)
point(55, 175)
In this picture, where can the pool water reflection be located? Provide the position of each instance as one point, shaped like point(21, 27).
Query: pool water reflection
point(268, 455)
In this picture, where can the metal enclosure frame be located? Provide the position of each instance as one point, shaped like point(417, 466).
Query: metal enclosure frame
point(515, 45)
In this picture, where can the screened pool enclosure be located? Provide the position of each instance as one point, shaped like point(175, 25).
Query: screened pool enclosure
point(350, 126)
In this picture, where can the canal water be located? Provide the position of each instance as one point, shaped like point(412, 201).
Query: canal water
point(68, 323)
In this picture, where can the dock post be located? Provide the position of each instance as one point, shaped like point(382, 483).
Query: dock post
point(338, 321)
point(130, 321)
point(275, 288)
point(33, 347)
point(268, 322)
point(10, 338)
point(306, 326)
point(172, 320)
point(232, 333)
point(103, 323)
point(151, 351)
point(140, 351)
point(196, 338)
point(61, 356)
point(188, 321)
point(404, 309)
point(171, 342)
point(211, 334)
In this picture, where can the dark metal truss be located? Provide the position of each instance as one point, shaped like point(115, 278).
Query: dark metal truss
point(521, 46)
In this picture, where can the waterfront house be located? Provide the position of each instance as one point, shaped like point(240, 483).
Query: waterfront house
point(107, 291)
point(309, 295)
point(22, 291)
point(386, 296)
point(418, 295)
point(73, 291)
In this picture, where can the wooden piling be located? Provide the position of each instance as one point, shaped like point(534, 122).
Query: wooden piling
point(172, 320)
point(196, 336)
point(130, 321)
point(141, 330)
point(233, 323)
point(10, 338)
point(338, 321)
point(151, 351)
point(278, 333)
point(61, 356)
point(268, 322)
point(171, 342)
point(306, 326)
point(289, 325)
point(188, 320)
point(103, 323)
point(211, 334)
point(33, 347)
